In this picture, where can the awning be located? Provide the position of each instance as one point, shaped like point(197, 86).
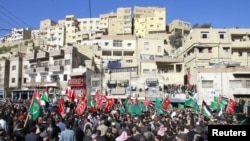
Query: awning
point(242, 72)
point(77, 73)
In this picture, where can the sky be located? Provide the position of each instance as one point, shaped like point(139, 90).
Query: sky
point(218, 13)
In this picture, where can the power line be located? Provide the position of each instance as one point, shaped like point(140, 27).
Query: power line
point(14, 16)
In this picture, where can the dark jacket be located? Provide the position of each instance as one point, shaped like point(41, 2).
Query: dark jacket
point(32, 137)
point(19, 134)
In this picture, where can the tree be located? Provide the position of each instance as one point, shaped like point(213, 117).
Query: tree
point(176, 40)
point(202, 26)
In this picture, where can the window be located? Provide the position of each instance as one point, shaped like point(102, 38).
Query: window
point(25, 67)
point(247, 83)
point(210, 50)
point(222, 35)
point(207, 83)
point(159, 49)
point(226, 49)
point(201, 50)
point(33, 79)
point(67, 62)
point(43, 78)
point(13, 80)
point(95, 83)
point(235, 84)
point(146, 71)
point(240, 54)
point(146, 45)
point(165, 42)
point(117, 43)
point(65, 77)
point(248, 54)
point(24, 80)
point(204, 35)
point(13, 68)
point(0, 67)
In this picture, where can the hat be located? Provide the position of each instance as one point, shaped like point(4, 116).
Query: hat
point(122, 137)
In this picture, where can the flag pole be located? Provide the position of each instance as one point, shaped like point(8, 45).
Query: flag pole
point(26, 120)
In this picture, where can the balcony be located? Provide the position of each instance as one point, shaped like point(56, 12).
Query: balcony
point(56, 68)
point(41, 55)
point(42, 69)
point(30, 56)
point(55, 53)
point(30, 71)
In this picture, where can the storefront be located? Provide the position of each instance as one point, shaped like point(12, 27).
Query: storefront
point(2, 94)
point(78, 84)
point(22, 94)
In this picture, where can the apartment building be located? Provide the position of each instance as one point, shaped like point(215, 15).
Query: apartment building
point(44, 25)
point(104, 21)
point(4, 77)
point(118, 63)
point(16, 34)
point(121, 22)
point(50, 69)
point(55, 37)
point(203, 48)
point(223, 81)
point(149, 20)
point(180, 26)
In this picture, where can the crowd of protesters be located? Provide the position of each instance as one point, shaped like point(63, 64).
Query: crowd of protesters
point(176, 125)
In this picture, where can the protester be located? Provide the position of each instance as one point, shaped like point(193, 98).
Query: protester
point(127, 120)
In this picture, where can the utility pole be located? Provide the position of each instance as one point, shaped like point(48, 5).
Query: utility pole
point(101, 74)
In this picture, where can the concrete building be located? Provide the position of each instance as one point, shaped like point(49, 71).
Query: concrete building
point(4, 77)
point(50, 69)
point(203, 48)
point(223, 81)
point(180, 26)
point(121, 22)
point(16, 34)
point(149, 20)
point(44, 25)
point(55, 37)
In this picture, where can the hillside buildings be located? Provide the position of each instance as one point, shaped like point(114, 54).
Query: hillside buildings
point(128, 52)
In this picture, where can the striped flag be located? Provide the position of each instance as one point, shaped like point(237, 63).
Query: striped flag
point(206, 110)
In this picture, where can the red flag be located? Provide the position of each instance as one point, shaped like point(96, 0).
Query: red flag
point(147, 103)
point(73, 95)
point(165, 104)
point(61, 108)
point(81, 106)
point(37, 96)
point(109, 104)
point(98, 99)
point(136, 101)
point(231, 106)
point(68, 93)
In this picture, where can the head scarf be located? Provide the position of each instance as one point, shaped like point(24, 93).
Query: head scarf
point(122, 137)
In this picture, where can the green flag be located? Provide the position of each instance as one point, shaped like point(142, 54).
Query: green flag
point(122, 109)
point(158, 106)
point(216, 100)
point(224, 101)
point(196, 108)
point(45, 97)
point(91, 102)
point(35, 109)
point(215, 106)
point(190, 102)
point(180, 106)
